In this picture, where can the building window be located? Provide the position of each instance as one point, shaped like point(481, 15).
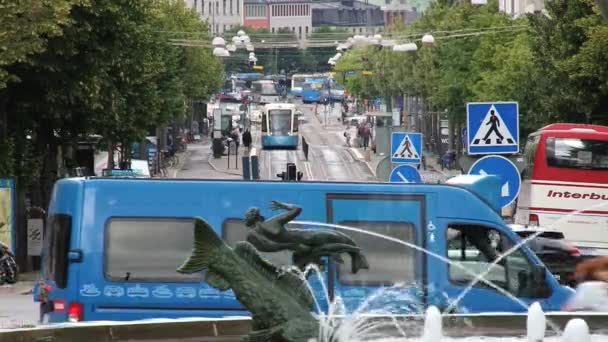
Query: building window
point(273, 30)
point(196, 6)
point(224, 6)
point(209, 11)
point(128, 256)
point(238, 6)
point(381, 254)
point(231, 10)
point(202, 6)
point(300, 31)
point(306, 30)
point(217, 7)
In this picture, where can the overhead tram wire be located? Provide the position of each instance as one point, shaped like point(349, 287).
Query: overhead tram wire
point(324, 44)
point(348, 34)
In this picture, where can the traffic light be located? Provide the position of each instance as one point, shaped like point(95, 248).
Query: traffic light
point(292, 173)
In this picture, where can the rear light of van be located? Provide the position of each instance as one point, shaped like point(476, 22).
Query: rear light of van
point(533, 220)
point(59, 306)
point(75, 312)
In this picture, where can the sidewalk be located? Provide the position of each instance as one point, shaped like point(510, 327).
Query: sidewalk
point(234, 166)
point(334, 116)
point(367, 157)
point(432, 173)
point(24, 286)
point(183, 156)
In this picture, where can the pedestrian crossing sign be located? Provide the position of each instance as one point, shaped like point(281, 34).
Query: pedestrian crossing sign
point(493, 128)
point(406, 148)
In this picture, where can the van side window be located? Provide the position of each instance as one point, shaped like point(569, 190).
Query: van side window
point(235, 230)
point(475, 248)
point(148, 249)
point(55, 249)
point(382, 255)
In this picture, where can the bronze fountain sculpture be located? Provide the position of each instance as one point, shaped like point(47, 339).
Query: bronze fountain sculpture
point(280, 301)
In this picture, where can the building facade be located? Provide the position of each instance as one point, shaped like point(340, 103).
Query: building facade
point(517, 8)
point(356, 16)
point(221, 15)
point(294, 16)
point(256, 14)
point(399, 11)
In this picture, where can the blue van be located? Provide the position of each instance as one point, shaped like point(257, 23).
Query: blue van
point(112, 246)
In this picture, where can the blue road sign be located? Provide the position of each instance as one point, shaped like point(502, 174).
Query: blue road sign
point(406, 147)
point(493, 128)
point(506, 170)
point(405, 174)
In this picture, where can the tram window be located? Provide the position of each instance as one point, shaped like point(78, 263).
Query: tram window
point(148, 249)
point(474, 249)
point(235, 230)
point(56, 243)
point(389, 262)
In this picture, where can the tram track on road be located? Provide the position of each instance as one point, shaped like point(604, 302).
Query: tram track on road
point(330, 158)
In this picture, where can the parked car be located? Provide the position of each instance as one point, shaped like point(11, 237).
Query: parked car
point(559, 255)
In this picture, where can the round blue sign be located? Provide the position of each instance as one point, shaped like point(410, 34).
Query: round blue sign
point(405, 174)
point(506, 170)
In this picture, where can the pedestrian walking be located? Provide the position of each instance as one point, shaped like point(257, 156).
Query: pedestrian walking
point(236, 137)
point(247, 139)
point(347, 137)
point(366, 135)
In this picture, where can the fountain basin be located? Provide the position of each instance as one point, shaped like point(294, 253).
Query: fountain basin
point(456, 327)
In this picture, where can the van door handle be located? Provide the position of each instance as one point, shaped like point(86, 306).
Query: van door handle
point(75, 256)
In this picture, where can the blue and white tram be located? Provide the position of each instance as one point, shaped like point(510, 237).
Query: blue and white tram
point(280, 126)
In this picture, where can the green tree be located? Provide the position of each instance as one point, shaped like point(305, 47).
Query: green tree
point(26, 26)
point(554, 38)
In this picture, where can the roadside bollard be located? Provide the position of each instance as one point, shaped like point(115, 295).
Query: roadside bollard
point(305, 148)
point(246, 167)
point(255, 167)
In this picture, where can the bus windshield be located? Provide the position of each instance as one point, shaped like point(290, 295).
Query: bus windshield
point(298, 81)
point(577, 153)
point(266, 88)
point(280, 121)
